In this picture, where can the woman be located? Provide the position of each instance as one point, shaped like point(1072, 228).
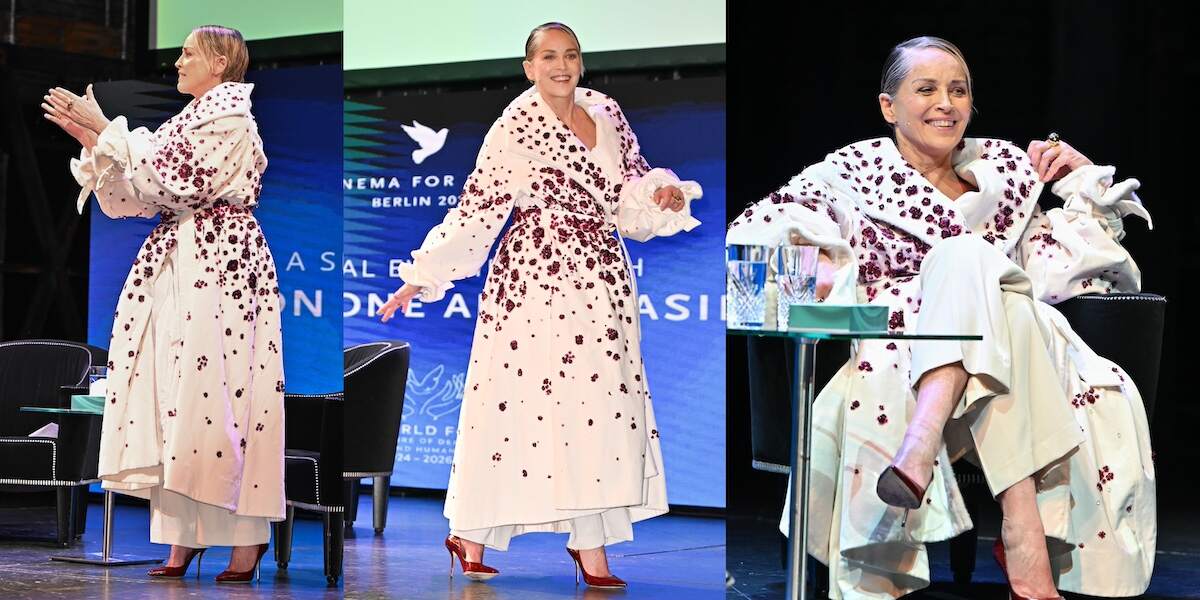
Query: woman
point(195, 427)
point(556, 431)
point(946, 232)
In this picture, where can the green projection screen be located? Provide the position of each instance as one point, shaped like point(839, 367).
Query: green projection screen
point(172, 20)
point(384, 33)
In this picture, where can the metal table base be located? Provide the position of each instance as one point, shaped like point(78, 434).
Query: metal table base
point(105, 557)
point(802, 396)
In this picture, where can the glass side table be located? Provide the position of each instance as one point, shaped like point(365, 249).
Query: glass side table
point(805, 343)
point(105, 557)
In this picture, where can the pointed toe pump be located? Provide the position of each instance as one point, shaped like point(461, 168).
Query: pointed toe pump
point(475, 571)
point(896, 489)
point(229, 576)
point(595, 581)
point(166, 572)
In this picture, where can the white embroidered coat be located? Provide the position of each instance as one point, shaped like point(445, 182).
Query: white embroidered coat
point(556, 417)
point(878, 217)
point(203, 298)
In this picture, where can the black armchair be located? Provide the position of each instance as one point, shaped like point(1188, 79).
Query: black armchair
point(375, 377)
point(1124, 328)
point(46, 373)
point(312, 474)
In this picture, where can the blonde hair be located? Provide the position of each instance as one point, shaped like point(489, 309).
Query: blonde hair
point(897, 65)
point(536, 35)
point(217, 40)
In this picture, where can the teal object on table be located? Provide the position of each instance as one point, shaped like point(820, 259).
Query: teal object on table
point(848, 318)
point(94, 404)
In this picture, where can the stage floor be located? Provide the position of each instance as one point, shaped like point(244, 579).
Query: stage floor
point(27, 572)
point(672, 558)
point(754, 549)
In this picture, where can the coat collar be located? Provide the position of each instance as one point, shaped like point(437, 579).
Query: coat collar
point(231, 98)
point(887, 188)
point(536, 133)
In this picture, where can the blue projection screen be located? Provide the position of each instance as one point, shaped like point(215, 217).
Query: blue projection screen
point(392, 202)
point(299, 115)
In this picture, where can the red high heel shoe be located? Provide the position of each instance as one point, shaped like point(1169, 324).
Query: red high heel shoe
point(475, 571)
point(896, 489)
point(998, 554)
point(592, 580)
point(178, 572)
point(228, 576)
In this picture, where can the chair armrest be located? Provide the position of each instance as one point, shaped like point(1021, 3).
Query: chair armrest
point(333, 442)
point(304, 417)
point(314, 424)
point(78, 456)
point(1126, 329)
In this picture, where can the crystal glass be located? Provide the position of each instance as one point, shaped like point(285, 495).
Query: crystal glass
point(795, 269)
point(745, 282)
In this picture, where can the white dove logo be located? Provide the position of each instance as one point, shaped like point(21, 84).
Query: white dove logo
point(430, 141)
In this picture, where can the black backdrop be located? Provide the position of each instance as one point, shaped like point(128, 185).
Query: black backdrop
point(1115, 79)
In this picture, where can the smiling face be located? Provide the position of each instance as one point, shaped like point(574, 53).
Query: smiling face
point(197, 73)
point(555, 64)
point(932, 105)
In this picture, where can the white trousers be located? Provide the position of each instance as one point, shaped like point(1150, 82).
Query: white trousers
point(1014, 413)
point(180, 521)
point(585, 532)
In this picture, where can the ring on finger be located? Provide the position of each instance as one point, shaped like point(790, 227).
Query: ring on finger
point(1053, 140)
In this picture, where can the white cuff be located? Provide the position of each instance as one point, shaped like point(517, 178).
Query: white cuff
point(432, 290)
point(84, 171)
point(1090, 190)
point(637, 212)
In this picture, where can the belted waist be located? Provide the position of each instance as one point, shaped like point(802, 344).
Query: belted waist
point(219, 207)
point(589, 221)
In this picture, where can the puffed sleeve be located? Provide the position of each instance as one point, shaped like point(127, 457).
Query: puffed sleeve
point(458, 246)
point(638, 217)
point(110, 182)
point(806, 208)
point(188, 169)
point(1076, 249)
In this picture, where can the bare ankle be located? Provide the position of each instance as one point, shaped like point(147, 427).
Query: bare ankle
point(472, 550)
point(919, 471)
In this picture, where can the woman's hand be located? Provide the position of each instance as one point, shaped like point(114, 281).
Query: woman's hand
point(825, 271)
point(1054, 161)
point(669, 197)
point(83, 110)
point(399, 300)
point(85, 137)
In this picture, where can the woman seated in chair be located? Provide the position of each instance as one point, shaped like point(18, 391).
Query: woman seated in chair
point(947, 233)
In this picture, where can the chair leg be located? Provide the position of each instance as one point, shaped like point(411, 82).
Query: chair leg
point(63, 515)
point(962, 547)
point(379, 502)
point(79, 500)
point(351, 514)
point(335, 530)
point(283, 538)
